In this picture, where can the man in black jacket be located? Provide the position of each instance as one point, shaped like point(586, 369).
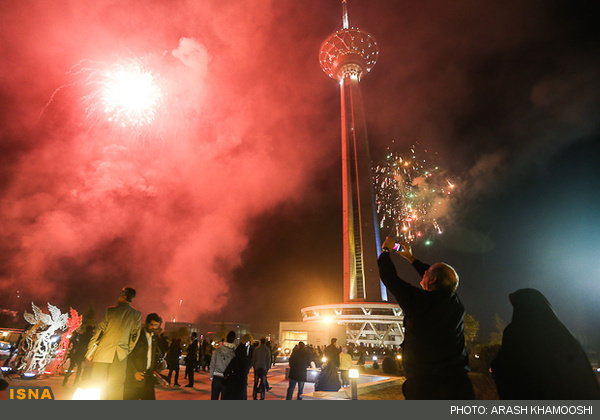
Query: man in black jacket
point(434, 356)
point(191, 360)
point(299, 363)
point(139, 380)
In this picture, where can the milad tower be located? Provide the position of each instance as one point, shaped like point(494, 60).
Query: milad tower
point(347, 55)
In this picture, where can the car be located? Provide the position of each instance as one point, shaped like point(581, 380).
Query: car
point(8, 339)
point(5, 347)
point(283, 356)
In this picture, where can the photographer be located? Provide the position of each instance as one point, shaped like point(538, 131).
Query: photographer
point(434, 356)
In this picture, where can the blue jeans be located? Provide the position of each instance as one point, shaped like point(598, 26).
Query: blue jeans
point(292, 386)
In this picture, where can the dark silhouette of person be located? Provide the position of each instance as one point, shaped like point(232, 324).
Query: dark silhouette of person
point(361, 358)
point(139, 380)
point(270, 348)
point(163, 345)
point(328, 379)
point(261, 362)
point(275, 352)
point(313, 354)
point(172, 358)
point(332, 353)
point(202, 355)
point(191, 360)
point(3, 386)
point(77, 354)
point(236, 374)
point(252, 348)
point(539, 358)
point(114, 338)
point(208, 351)
point(434, 355)
point(299, 363)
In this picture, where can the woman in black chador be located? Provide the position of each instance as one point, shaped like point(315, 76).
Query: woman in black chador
point(539, 358)
point(236, 374)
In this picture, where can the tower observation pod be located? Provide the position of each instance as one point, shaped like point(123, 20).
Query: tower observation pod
point(347, 55)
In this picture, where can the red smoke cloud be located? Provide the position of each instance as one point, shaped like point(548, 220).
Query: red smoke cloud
point(89, 207)
point(231, 199)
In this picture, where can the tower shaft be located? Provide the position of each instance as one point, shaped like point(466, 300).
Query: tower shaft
point(361, 274)
point(347, 55)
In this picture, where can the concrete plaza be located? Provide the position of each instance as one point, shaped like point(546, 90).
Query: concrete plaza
point(200, 391)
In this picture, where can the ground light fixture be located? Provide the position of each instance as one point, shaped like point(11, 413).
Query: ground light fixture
point(353, 374)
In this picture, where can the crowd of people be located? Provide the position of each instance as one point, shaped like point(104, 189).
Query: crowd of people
point(127, 356)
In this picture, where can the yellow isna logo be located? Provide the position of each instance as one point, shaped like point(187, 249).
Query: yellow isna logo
point(30, 393)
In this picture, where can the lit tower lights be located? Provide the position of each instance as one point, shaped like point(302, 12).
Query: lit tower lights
point(347, 55)
point(365, 316)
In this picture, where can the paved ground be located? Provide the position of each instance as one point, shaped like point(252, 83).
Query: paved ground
point(200, 391)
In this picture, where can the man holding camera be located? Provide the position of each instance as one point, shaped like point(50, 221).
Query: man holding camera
point(434, 356)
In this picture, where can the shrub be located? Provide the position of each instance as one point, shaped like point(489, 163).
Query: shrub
point(389, 365)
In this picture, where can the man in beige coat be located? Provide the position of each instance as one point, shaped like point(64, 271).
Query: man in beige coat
point(114, 339)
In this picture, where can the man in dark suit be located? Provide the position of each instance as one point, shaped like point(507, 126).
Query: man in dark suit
point(139, 381)
point(191, 360)
point(114, 339)
point(332, 353)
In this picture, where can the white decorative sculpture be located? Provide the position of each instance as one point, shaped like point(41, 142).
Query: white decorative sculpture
point(39, 347)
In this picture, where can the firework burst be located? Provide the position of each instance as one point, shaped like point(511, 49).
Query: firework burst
point(412, 194)
point(127, 94)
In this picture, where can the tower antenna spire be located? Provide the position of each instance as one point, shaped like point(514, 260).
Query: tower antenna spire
point(344, 14)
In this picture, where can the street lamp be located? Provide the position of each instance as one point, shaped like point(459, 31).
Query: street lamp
point(353, 374)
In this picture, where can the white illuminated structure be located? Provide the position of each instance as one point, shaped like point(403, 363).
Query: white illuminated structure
point(347, 55)
point(378, 324)
point(41, 347)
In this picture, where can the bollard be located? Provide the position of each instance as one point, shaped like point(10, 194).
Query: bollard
point(353, 374)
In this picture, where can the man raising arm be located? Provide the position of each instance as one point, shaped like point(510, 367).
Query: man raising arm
point(434, 356)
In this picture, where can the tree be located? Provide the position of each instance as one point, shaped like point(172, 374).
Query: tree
point(471, 329)
point(496, 336)
point(182, 333)
point(89, 318)
point(247, 338)
point(221, 333)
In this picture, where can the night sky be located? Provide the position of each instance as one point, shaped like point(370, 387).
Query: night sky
point(228, 205)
